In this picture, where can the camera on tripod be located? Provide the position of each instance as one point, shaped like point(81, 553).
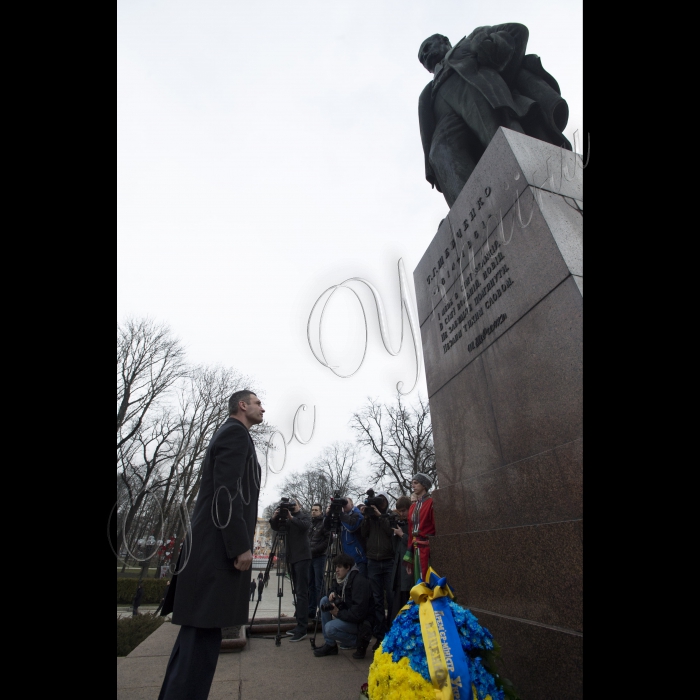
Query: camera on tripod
point(338, 503)
point(286, 505)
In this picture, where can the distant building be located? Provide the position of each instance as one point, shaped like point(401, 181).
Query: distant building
point(263, 538)
point(263, 545)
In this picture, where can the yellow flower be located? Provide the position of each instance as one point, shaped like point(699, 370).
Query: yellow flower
point(390, 681)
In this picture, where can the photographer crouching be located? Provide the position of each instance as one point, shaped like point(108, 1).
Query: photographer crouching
point(377, 529)
point(347, 611)
point(298, 524)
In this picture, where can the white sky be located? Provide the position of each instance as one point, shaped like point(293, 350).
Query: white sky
point(267, 151)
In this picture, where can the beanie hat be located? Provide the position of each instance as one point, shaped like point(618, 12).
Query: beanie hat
point(425, 480)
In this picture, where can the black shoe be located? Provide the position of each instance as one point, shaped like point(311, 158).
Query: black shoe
point(326, 650)
point(299, 635)
point(361, 652)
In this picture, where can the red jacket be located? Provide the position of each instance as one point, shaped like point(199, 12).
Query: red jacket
point(427, 522)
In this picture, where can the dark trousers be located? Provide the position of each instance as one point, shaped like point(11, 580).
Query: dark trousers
point(316, 592)
point(192, 664)
point(300, 572)
point(380, 576)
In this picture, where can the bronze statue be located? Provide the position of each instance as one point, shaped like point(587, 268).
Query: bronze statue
point(485, 82)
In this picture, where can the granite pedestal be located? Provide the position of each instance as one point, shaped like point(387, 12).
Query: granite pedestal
point(500, 300)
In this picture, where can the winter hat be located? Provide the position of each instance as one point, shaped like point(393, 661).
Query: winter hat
point(425, 480)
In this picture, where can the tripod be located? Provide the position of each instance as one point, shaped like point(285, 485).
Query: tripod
point(334, 549)
point(279, 549)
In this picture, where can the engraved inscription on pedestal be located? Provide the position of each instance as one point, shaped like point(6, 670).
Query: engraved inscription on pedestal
point(495, 256)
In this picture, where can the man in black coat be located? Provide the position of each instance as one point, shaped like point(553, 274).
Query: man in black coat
point(297, 526)
point(212, 587)
point(377, 530)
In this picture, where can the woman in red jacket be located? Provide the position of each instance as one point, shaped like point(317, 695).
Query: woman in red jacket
point(421, 520)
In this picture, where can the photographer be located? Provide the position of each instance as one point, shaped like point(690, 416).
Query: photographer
point(403, 581)
point(298, 525)
point(352, 518)
point(318, 540)
point(346, 610)
point(377, 530)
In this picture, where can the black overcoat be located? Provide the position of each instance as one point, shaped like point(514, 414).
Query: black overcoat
point(209, 592)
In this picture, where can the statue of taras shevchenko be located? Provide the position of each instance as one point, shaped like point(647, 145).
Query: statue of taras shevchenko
point(485, 82)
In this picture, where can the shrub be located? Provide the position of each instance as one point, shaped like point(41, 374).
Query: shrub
point(153, 590)
point(131, 631)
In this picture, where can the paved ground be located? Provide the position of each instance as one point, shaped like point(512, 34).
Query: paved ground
point(261, 672)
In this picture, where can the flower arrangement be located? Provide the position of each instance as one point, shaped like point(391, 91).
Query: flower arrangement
point(401, 669)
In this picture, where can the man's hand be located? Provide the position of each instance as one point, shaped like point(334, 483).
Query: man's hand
point(244, 562)
point(277, 513)
point(332, 597)
point(377, 511)
point(335, 612)
point(363, 509)
point(398, 532)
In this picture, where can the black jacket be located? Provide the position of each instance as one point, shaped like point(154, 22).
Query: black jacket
point(210, 592)
point(380, 538)
point(357, 605)
point(318, 537)
point(298, 545)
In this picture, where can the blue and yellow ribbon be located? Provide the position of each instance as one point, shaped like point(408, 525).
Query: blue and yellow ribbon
point(449, 669)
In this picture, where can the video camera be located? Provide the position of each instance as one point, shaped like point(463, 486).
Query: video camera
point(338, 503)
point(329, 607)
point(374, 500)
point(286, 505)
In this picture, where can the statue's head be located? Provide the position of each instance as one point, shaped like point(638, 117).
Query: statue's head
point(433, 50)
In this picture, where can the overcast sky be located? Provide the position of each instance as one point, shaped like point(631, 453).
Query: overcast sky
point(267, 151)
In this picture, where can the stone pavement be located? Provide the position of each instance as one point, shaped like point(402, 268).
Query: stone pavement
point(262, 672)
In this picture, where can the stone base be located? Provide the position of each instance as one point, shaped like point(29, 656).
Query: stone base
point(501, 310)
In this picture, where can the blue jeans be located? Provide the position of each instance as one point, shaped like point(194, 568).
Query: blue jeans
point(380, 576)
point(338, 631)
point(318, 568)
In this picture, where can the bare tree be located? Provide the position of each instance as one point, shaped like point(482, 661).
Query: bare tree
point(400, 439)
point(150, 360)
point(334, 470)
point(140, 468)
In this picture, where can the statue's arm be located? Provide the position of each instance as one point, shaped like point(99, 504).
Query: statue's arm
point(501, 47)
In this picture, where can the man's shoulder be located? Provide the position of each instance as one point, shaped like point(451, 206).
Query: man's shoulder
point(232, 430)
